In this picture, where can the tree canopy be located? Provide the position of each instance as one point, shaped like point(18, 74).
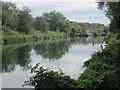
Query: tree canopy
point(112, 10)
point(57, 21)
point(9, 15)
point(24, 20)
point(40, 24)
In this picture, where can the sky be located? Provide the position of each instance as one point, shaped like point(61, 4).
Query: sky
point(74, 10)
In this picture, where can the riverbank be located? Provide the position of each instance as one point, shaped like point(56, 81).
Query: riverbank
point(10, 36)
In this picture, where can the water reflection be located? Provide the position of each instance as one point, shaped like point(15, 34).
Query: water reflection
point(53, 51)
point(87, 40)
point(13, 55)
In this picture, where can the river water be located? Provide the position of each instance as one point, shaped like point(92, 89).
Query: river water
point(69, 55)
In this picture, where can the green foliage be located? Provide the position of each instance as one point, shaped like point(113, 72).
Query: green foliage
point(84, 29)
point(19, 20)
point(9, 15)
point(103, 68)
point(112, 10)
point(47, 78)
point(24, 20)
point(102, 30)
point(40, 24)
point(57, 21)
point(76, 29)
point(6, 31)
point(10, 36)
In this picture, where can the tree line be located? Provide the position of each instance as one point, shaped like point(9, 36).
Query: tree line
point(21, 20)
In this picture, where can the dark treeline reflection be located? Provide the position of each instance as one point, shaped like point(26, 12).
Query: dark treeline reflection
point(19, 54)
point(53, 51)
point(13, 56)
point(87, 40)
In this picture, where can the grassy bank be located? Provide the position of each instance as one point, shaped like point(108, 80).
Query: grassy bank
point(10, 36)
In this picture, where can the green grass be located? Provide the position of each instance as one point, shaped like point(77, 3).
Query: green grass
point(11, 36)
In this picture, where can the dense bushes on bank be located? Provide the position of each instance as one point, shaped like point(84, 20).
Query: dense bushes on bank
point(103, 70)
point(10, 36)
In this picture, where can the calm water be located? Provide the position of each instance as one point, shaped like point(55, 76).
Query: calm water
point(68, 55)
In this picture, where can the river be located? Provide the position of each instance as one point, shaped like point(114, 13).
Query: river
point(69, 55)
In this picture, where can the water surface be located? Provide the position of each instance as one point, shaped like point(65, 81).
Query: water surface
point(68, 55)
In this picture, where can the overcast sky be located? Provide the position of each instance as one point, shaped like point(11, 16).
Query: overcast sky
point(74, 10)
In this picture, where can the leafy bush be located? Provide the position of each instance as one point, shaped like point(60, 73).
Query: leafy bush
point(47, 78)
point(103, 69)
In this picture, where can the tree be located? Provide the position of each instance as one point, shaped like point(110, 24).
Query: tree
point(76, 28)
point(57, 21)
point(40, 24)
point(112, 10)
point(24, 20)
point(9, 15)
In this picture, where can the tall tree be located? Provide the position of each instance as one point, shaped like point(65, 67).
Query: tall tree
point(57, 21)
point(40, 24)
point(112, 10)
point(24, 20)
point(9, 15)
